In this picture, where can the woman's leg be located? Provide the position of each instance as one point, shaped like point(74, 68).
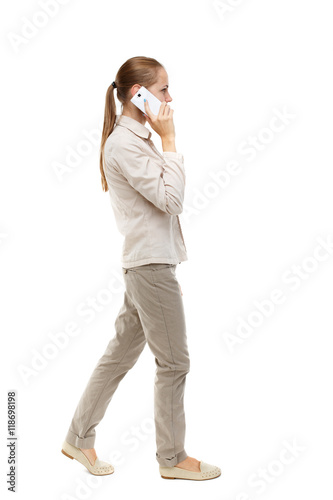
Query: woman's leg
point(120, 356)
point(155, 292)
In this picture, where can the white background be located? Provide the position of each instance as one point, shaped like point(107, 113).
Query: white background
point(59, 245)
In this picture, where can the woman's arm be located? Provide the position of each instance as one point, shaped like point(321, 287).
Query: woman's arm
point(160, 182)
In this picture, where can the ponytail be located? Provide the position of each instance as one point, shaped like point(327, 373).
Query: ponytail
point(109, 121)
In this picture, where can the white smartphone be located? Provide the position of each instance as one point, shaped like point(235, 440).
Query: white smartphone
point(143, 93)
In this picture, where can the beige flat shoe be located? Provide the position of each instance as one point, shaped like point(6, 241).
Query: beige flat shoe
point(100, 468)
point(207, 472)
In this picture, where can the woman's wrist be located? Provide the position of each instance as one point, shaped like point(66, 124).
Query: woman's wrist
point(169, 144)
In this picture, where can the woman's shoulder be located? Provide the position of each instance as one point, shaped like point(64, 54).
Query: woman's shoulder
point(121, 140)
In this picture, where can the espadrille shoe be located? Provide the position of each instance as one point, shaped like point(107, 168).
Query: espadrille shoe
point(207, 471)
point(100, 468)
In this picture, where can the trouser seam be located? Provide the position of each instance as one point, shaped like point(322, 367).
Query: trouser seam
point(174, 371)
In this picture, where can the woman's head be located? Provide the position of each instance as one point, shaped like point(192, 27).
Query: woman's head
point(134, 73)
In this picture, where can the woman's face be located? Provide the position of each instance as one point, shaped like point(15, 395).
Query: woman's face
point(160, 88)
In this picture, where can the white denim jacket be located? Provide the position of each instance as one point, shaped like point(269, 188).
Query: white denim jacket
point(146, 192)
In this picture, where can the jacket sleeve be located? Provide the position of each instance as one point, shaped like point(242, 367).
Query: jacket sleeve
point(162, 183)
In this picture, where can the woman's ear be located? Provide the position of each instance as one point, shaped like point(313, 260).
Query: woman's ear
point(135, 88)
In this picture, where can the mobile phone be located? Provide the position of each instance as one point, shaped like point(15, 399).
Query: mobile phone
point(143, 93)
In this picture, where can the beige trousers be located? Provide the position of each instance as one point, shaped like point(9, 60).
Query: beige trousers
point(152, 312)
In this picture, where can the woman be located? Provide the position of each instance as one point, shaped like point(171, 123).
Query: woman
point(146, 192)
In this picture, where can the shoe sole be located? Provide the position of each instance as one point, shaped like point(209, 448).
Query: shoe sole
point(191, 478)
point(69, 456)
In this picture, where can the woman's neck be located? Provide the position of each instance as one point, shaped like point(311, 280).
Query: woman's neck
point(136, 114)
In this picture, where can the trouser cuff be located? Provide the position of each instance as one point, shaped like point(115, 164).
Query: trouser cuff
point(171, 462)
point(75, 440)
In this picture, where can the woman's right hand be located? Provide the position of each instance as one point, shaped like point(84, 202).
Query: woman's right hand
point(163, 122)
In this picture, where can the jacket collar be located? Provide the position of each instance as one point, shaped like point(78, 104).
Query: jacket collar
point(134, 126)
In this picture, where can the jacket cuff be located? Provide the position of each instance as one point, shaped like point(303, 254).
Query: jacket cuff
point(173, 154)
